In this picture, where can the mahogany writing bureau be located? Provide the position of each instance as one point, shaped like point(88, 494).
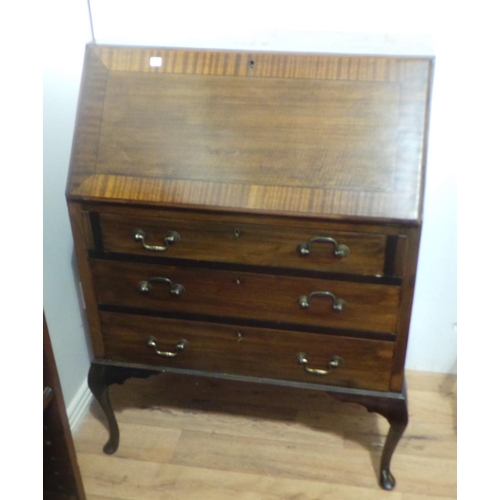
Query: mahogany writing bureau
point(252, 216)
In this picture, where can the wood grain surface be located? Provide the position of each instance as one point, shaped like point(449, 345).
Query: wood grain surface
point(289, 147)
point(242, 243)
point(240, 130)
point(80, 230)
point(259, 352)
point(212, 440)
point(247, 295)
point(336, 136)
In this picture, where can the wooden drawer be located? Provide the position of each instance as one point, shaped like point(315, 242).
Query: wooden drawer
point(218, 348)
point(247, 295)
point(244, 243)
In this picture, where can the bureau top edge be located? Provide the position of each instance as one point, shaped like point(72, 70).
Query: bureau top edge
point(103, 48)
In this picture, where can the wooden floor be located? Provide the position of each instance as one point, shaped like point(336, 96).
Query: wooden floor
point(217, 440)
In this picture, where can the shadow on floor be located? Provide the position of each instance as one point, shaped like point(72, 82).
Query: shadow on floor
point(313, 409)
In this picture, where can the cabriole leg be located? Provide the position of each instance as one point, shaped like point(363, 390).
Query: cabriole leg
point(100, 377)
point(395, 410)
point(398, 419)
point(98, 385)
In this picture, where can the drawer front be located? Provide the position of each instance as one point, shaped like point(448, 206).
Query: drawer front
point(360, 363)
point(247, 295)
point(245, 243)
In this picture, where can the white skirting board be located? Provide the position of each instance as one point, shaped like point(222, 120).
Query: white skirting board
point(79, 406)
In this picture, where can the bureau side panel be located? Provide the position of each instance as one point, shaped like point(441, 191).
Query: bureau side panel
point(407, 292)
point(79, 227)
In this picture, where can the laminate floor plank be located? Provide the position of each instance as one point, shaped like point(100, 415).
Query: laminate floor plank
point(136, 480)
point(413, 496)
point(100, 497)
point(275, 458)
point(420, 438)
point(244, 486)
point(310, 462)
point(141, 442)
point(442, 383)
point(429, 406)
point(219, 440)
point(241, 425)
point(126, 478)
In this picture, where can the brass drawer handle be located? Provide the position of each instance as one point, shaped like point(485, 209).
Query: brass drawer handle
point(171, 238)
point(335, 361)
point(175, 288)
point(182, 345)
point(339, 250)
point(338, 304)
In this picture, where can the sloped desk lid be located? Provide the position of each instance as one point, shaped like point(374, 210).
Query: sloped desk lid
point(327, 136)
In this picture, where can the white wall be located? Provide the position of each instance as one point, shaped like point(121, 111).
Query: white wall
point(396, 27)
point(67, 28)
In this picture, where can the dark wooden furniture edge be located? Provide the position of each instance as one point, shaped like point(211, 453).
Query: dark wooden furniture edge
point(58, 432)
point(79, 238)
